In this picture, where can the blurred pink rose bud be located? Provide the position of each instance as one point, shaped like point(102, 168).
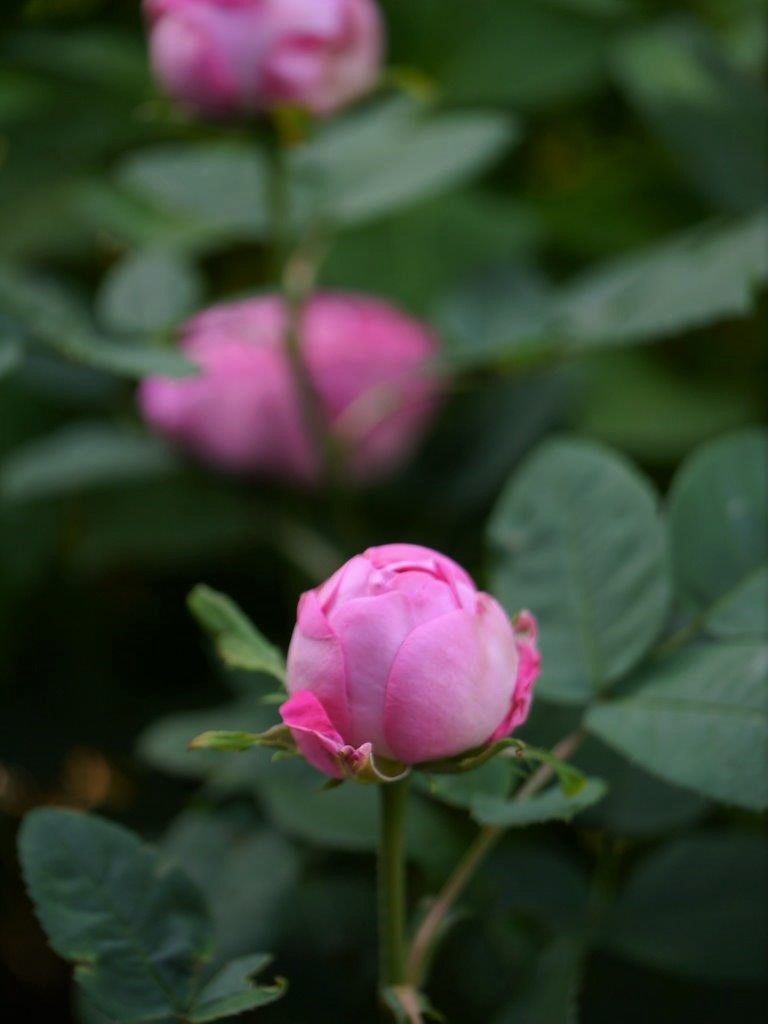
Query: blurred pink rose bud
point(369, 364)
point(224, 58)
point(398, 654)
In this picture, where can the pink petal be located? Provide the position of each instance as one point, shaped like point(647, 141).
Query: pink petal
point(449, 685)
point(316, 661)
point(371, 631)
point(318, 740)
point(526, 636)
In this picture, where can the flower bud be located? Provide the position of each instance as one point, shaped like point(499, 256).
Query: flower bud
point(224, 58)
point(242, 413)
point(399, 655)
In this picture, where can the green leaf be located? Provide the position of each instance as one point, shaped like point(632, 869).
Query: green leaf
point(87, 1013)
point(220, 188)
point(688, 281)
point(233, 990)
point(718, 510)
point(505, 313)
point(372, 174)
point(11, 346)
point(637, 805)
point(127, 360)
point(80, 456)
point(148, 291)
point(551, 994)
point(494, 778)
point(238, 641)
point(698, 719)
point(551, 805)
point(693, 279)
point(697, 906)
point(244, 870)
point(137, 934)
point(711, 115)
point(445, 152)
point(577, 536)
point(52, 317)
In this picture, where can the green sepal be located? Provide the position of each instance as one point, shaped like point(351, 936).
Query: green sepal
point(279, 736)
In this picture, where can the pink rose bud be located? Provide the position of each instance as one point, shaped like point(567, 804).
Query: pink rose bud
point(398, 654)
point(223, 58)
point(369, 364)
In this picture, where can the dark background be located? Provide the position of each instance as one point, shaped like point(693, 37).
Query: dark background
point(95, 639)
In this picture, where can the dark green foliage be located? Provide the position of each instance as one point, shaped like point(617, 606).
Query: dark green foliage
point(572, 192)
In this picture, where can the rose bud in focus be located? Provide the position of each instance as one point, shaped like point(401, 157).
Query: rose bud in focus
point(230, 58)
point(399, 655)
point(368, 362)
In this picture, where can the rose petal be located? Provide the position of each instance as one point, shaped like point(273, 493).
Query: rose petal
point(529, 669)
point(449, 686)
point(316, 661)
point(318, 740)
point(371, 631)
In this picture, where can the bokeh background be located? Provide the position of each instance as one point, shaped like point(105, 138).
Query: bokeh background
point(633, 123)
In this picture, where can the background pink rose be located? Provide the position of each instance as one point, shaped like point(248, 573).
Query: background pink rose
point(233, 57)
point(398, 653)
point(368, 362)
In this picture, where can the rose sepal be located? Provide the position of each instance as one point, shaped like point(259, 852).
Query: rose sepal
point(359, 764)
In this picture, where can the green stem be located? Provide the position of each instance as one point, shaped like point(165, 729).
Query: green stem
point(280, 205)
point(391, 883)
point(297, 267)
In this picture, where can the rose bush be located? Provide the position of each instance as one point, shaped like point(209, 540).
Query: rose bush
point(399, 655)
point(368, 363)
point(223, 58)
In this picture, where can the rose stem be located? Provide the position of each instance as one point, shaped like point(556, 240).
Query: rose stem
point(391, 883)
point(486, 840)
point(297, 267)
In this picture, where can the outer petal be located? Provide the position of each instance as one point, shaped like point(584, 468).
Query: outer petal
point(316, 662)
point(371, 631)
point(317, 738)
point(529, 669)
point(450, 685)
point(187, 58)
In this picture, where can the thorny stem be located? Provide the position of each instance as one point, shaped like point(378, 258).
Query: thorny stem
point(487, 838)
